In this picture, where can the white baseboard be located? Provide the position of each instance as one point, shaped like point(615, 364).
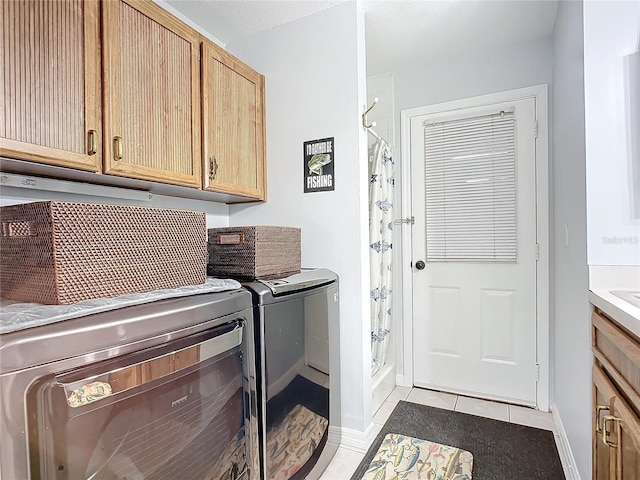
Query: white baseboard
point(564, 449)
point(357, 441)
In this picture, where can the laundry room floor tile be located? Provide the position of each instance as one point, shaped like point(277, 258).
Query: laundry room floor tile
point(531, 418)
point(432, 398)
point(483, 408)
point(398, 394)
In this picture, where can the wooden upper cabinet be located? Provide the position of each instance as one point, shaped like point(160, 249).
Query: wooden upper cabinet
point(50, 85)
point(151, 69)
point(233, 125)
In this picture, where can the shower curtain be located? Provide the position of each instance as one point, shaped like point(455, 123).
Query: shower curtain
point(380, 252)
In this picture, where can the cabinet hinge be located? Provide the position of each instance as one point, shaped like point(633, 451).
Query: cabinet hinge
point(535, 129)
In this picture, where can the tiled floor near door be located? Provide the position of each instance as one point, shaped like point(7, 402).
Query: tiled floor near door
point(346, 461)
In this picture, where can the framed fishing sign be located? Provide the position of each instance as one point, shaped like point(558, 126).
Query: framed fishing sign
point(318, 166)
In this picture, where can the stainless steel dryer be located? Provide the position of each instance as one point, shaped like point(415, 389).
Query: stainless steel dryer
point(297, 345)
point(163, 390)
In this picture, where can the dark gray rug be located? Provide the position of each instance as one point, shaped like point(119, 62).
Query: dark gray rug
point(501, 450)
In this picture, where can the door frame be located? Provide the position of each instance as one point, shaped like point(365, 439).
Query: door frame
point(540, 94)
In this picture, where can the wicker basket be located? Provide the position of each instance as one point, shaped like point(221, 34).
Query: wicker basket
point(63, 252)
point(253, 251)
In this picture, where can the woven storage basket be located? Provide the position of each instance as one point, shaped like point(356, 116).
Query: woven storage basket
point(253, 251)
point(63, 252)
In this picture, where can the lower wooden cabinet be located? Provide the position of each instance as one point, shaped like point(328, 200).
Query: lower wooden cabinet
point(616, 397)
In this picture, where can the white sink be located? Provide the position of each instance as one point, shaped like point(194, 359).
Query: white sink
point(629, 296)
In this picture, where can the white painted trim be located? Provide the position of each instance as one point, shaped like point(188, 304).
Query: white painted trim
point(564, 448)
point(358, 441)
point(540, 94)
point(406, 379)
point(544, 259)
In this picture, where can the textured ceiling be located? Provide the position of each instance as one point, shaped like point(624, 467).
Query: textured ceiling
point(399, 33)
point(231, 20)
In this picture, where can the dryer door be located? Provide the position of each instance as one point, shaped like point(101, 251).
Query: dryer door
point(175, 411)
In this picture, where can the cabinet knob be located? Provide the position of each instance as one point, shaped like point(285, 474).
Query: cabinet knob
point(213, 167)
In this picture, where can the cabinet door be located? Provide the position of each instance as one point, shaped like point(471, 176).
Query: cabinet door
point(50, 85)
point(151, 94)
point(602, 456)
point(622, 433)
point(628, 435)
point(233, 125)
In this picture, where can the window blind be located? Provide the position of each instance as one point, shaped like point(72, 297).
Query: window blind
point(470, 189)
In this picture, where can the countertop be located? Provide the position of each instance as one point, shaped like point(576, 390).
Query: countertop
point(604, 279)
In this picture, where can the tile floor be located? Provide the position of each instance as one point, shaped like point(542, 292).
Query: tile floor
point(346, 461)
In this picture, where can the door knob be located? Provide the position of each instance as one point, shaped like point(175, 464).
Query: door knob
point(420, 265)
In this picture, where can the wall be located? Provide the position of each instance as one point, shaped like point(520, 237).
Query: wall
point(571, 333)
point(381, 87)
point(611, 31)
point(315, 88)
point(492, 71)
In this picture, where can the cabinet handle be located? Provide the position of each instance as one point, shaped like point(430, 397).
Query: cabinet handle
point(117, 148)
point(599, 409)
point(213, 168)
point(92, 142)
point(605, 419)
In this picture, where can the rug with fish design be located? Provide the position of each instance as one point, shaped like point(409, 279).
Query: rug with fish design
point(408, 458)
point(501, 450)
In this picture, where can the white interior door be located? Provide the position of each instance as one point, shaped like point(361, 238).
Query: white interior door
point(474, 301)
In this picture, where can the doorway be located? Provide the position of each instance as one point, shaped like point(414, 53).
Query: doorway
point(478, 290)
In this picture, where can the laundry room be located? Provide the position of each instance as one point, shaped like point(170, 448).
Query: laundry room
point(270, 122)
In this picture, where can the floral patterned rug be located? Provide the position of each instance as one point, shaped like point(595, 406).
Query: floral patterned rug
point(406, 458)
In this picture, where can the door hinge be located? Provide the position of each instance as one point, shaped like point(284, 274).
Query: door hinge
point(537, 372)
point(535, 129)
point(537, 251)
